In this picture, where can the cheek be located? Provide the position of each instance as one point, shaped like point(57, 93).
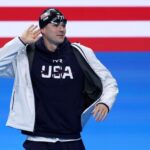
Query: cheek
point(45, 31)
point(48, 32)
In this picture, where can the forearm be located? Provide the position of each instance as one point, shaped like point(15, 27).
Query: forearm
point(10, 49)
point(110, 91)
point(109, 83)
point(8, 54)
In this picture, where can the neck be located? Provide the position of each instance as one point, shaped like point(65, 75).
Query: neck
point(50, 46)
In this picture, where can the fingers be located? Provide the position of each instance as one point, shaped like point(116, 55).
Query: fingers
point(37, 32)
point(34, 30)
point(95, 111)
point(31, 34)
point(32, 27)
point(100, 112)
point(101, 115)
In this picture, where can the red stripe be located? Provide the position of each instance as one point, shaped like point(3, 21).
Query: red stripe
point(109, 44)
point(78, 13)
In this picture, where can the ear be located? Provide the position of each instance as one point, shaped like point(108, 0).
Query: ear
point(42, 30)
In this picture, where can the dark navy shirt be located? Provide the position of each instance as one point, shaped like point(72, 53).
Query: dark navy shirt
point(58, 84)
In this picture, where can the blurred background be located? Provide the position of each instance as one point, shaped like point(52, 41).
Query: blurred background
point(119, 34)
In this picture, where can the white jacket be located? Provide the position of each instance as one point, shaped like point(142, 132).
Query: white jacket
point(14, 63)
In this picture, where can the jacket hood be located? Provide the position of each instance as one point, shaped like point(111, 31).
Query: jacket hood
point(40, 45)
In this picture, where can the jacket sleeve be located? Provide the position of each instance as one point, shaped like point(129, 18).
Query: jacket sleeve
point(110, 88)
point(8, 55)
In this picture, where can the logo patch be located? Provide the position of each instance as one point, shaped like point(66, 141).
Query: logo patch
point(45, 16)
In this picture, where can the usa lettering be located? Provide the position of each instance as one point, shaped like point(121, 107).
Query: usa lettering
point(56, 72)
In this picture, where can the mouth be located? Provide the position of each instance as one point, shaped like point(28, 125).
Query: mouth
point(61, 35)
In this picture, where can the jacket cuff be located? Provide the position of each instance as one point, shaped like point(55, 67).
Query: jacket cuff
point(22, 41)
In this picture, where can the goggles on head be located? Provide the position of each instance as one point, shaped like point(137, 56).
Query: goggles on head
point(58, 19)
point(52, 16)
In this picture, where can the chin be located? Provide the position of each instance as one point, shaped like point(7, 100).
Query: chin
point(61, 40)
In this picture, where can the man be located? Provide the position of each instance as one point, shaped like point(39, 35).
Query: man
point(57, 85)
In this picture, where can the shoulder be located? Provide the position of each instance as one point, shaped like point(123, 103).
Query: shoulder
point(82, 47)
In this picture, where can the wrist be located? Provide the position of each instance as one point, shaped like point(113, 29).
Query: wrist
point(104, 105)
point(22, 40)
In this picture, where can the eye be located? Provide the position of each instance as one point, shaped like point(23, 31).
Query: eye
point(55, 24)
point(64, 25)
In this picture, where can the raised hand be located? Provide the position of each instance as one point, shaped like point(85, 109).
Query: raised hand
point(31, 34)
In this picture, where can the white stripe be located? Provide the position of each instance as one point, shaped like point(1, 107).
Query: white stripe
point(87, 28)
point(51, 140)
point(49, 3)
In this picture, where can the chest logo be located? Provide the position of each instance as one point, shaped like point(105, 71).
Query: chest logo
point(56, 72)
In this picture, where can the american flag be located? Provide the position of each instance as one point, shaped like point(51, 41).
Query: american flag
point(103, 25)
point(117, 26)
